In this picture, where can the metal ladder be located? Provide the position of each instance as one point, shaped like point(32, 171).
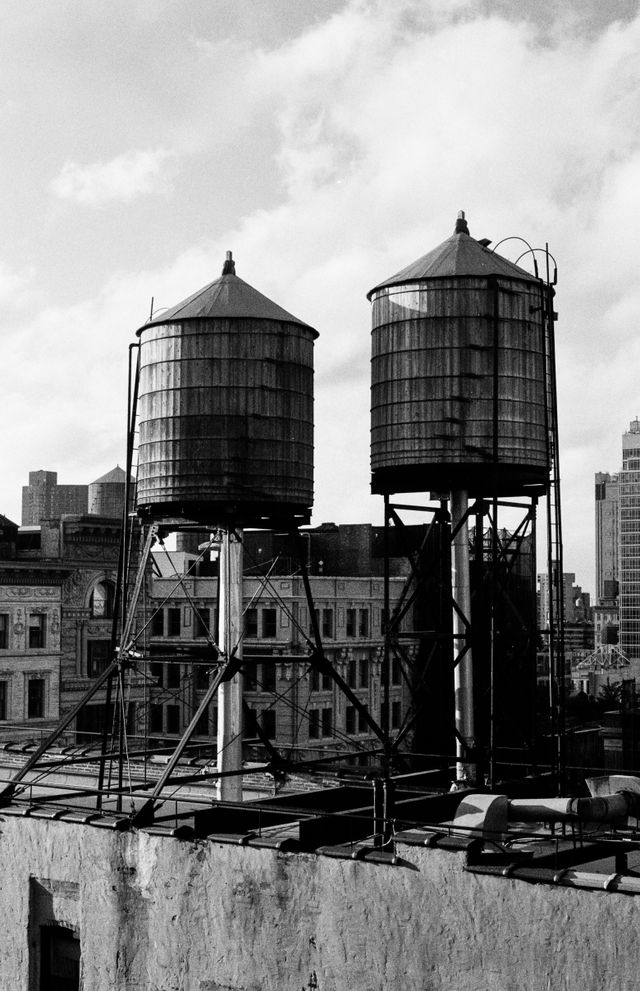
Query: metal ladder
point(555, 562)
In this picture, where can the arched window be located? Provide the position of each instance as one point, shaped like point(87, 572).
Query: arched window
point(102, 600)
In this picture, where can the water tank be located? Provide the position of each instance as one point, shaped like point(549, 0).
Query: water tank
point(106, 494)
point(225, 409)
point(459, 374)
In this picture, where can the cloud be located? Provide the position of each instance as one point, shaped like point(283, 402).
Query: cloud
point(124, 178)
point(390, 122)
point(380, 122)
point(16, 288)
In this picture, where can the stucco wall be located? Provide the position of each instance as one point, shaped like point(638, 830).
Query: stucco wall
point(154, 913)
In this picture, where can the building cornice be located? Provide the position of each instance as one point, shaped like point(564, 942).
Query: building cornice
point(30, 574)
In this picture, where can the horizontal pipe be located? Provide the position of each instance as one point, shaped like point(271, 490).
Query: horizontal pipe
point(604, 809)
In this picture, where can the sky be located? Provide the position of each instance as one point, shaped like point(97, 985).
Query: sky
point(328, 144)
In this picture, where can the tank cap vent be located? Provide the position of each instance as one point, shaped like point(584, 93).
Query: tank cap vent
point(461, 224)
point(229, 267)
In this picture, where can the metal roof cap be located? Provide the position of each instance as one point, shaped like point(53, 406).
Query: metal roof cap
point(460, 256)
point(226, 297)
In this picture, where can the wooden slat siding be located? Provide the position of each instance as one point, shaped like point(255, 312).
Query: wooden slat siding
point(226, 414)
point(432, 386)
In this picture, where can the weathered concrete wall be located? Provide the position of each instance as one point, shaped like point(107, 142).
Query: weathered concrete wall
point(158, 914)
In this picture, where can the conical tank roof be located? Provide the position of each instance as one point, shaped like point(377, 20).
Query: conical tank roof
point(225, 297)
point(460, 256)
point(117, 476)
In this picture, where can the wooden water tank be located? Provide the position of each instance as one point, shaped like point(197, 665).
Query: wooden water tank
point(225, 409)
point(458, 395)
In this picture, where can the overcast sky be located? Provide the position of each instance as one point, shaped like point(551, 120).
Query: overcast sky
point(328, 143)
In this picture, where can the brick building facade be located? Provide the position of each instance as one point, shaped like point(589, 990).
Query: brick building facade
point(297, 708)
point(44, 499)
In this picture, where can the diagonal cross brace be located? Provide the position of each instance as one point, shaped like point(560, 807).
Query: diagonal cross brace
point(144, 815)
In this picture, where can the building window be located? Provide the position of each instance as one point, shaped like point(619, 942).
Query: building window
point(396, 715)
point(173, 719)
point(251, 624)
point(35, 698)
point(155, 719)
point(268, 723)
point(4, 700)
point(173, 675)
point(173, 621)
point(316, 613)
point(201, 674)
point(269, 619)
point(4, 631)
point(364, 673)
point(59, 958)
point(249, 670)
point(320, 682)
point(350, 719)
point(327, 622)
point(90, 722)
point(314, 724)
point(157, 673)
point(396, 671)
point(327, 722)
point(37, 631)
point(202, 626)
point(202, 726)
point(352, 674)
point(362, 723)
point(102, 600)
point(351, 622)
point(363, 623)
point(249, 721)
point(268, 677)
point(157, 623)
point(98, 657)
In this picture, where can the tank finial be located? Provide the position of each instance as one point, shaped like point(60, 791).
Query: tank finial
point(229, 267)
point(461, 224)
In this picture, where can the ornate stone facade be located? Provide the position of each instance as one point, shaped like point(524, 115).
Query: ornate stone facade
point(56, 601)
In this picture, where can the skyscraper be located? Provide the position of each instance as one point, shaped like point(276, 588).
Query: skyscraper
point(607, 492)
point(629, 546)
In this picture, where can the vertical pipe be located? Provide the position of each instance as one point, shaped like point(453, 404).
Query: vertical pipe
point(230, 692)
point(533, 625)
point(378, 812)
point(557, 529)
point(462, 657)
point(120, 597)
point(386, 613)
point(552, 570)
point(494, 633)
point(485, 760)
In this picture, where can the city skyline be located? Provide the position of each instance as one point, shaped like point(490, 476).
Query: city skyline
point(328, 146)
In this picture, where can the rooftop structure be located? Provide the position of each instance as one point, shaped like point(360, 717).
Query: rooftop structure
point(296, 893)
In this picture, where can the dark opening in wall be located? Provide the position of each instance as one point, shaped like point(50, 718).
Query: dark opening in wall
point(54, 958)
point(59, 959)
